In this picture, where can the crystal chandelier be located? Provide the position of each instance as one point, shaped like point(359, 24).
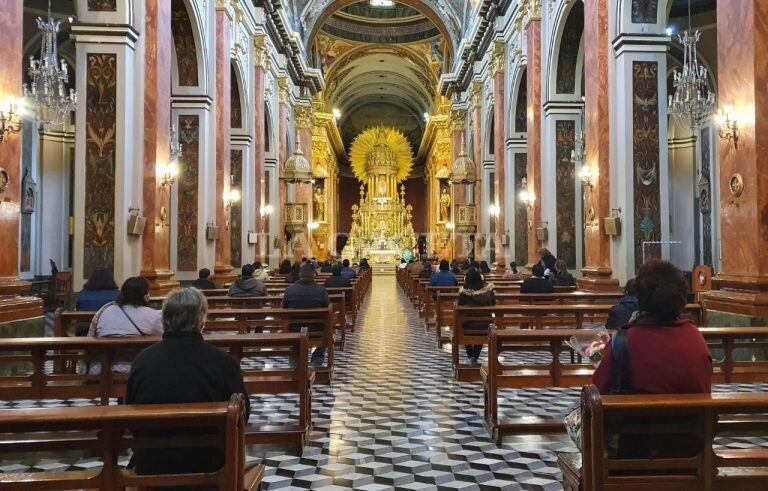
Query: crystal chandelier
point(692, 101)
point(47, 92)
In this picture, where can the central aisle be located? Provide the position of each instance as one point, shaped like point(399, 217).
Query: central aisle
point(394, 418)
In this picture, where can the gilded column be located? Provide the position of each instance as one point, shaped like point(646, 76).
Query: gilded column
point(597, 246)
point(458, 191)
point(303, 118)
point(222, 102)
point(742, 42)
point(12, 306)
point(532, 24)
point(499, 150)
point(477, 156)
point(158, 43)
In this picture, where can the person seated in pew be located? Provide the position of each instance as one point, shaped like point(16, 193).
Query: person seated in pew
point(426, 270)
point(307, 294)
point(294, 274)
point(537, 283)
point(364, 266)
point(512, 273)
point(179, 369)
point(327, 267)
point(620, 313)
point(414, 267)
point(484, 268)
point(285, 267)
point(129, 315)
point(336, 280)
point(347, 271)
point(260, 271)
point(246, 285)
point(203, 282)
point(657, 352)
point(98, 291)
point(455, 267)
point(561, 276)
point(444, 276)
point(547, 260)
point(478, 293)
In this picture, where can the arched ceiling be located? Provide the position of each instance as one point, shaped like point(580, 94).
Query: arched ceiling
point(381, 66)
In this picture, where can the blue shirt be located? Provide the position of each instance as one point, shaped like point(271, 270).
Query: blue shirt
point(93, 300)
point(443, 278)
point(348, 273)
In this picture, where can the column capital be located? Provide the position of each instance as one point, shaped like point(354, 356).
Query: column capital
point(261, 52)
point(531, 11)
point(303, 116)
point(477, 94)
point(458, 119)
point(283, 89)
point(498, 58)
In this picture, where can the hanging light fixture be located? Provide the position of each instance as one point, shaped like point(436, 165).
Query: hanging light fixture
point(692, 101)
point(578, 154)
point(46, 92)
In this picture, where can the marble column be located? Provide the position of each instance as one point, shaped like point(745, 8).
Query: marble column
point(303, 118)
point(282, 128)
point(458, 191)
point(261, 61)
point(533, 90)
point(155, 247)
point(13, 307)
point(499, 150)
point(222, 102)
point(597, 204)
point(742, 42)
point(477, 157)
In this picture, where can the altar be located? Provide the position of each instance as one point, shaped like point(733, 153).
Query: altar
point(382, 221)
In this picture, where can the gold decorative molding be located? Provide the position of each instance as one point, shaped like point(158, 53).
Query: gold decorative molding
point(261, 52)
point(531, 11)
point(477, 94)
point(283, 89)
point(498, 58)
point(303, 116)
point(458, 119)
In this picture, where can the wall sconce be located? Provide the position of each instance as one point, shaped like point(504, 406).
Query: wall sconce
point(266, 210)
point(449, 226)
point(230, 198)
point(313, 225)
point(727, 125)
point(10, 117)
point(527, 197)
point(588, 175)
point(168, 173)
point(494, 211)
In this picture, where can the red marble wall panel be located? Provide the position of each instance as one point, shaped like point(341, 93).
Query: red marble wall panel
point(348, 195)
point(499, 110)
point(415, 195)
point(533, 35)
point(184, 42)
point(645, 156)
point(101, 126)
point(236, 213)
point(186, 241)
point(565, 185)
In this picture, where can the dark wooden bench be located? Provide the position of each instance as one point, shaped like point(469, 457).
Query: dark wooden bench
point(706, 416)
point(538, 316)
point(72, 356)
point(107, 432)
point(552, 372)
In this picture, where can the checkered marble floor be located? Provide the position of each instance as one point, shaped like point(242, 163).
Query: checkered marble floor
point(394, 418)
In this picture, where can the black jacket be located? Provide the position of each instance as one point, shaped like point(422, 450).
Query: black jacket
point(247, 287)
point(182, 368)
point(477, 298)
point(305, 294)
point(620, 313)
point(204, 284)
point(337, 282)
point(536, 285)
point(563, 279)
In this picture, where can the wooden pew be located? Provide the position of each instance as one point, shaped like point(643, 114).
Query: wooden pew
point(241, 321)
point(536, 315)
point(705, 415)
point(551, 372)
point(106, 432)
point(76, 354)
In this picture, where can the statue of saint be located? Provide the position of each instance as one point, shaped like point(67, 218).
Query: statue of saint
point(445, 206)
point(382, 187)
point(319, 200)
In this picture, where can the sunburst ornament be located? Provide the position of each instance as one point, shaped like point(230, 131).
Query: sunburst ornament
point(381, 150)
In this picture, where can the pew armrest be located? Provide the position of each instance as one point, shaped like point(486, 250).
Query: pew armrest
point(253, 477)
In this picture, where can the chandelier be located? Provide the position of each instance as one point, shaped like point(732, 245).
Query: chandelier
point(47, 91)
point(692, 101)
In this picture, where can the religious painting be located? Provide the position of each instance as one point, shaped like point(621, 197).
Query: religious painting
point(644, 11)
point(28, 195)
point(565, 185)
point(521, 211)
point(705, 197)
point(101, 128)
point(236, 111)
point(236, 211)
point(186, 241)
point(184, 42)
point(102, 5)
point(521, 114)
point(330, 48)
point(569, 50)
point(645, 157)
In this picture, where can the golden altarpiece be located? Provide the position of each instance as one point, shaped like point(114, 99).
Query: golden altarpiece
point(382, 221)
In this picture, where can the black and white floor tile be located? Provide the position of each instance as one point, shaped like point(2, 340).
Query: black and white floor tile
point(394, 419)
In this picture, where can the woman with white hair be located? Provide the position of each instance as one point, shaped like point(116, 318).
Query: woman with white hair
point(182, 368)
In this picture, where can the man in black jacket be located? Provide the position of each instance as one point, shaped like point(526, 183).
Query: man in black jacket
point(336, 280)
point(182, 368)
point(247, 285)
point(202, 282)
point(307, 294)
point(537, 283)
